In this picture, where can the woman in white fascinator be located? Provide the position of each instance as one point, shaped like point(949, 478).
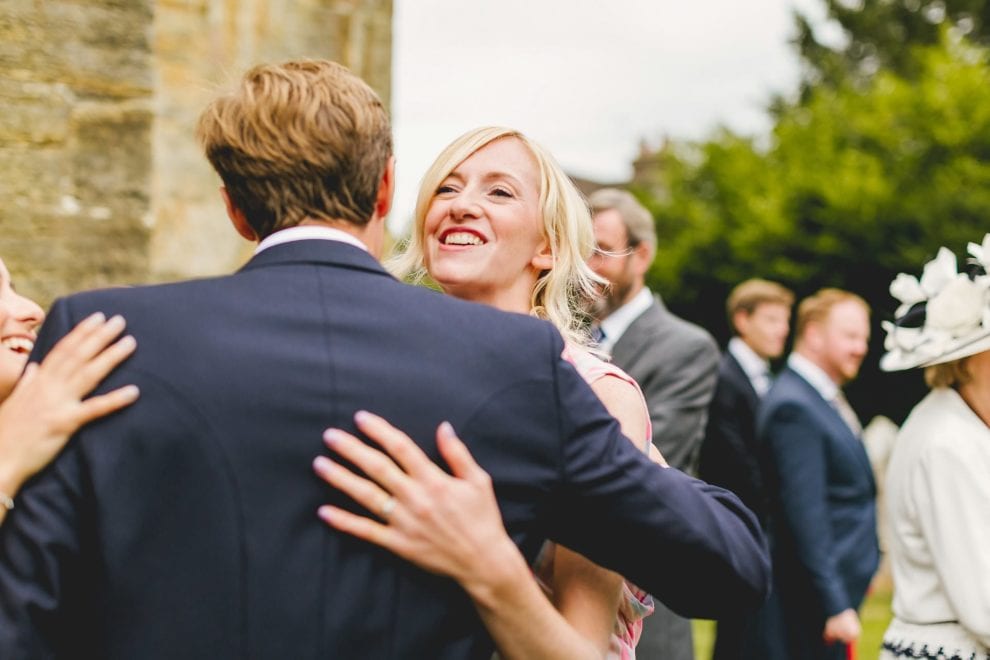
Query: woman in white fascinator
point(938, 478)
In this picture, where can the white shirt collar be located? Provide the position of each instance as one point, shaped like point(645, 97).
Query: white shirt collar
point(756, 368)
point(616, 323)
point(814, 374)
point(309, 232)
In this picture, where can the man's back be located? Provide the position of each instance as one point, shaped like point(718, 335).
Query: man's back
point(186, 526)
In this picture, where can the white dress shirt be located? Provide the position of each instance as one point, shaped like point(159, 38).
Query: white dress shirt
point(309, 232)
point(757, 369)
point(814, 374)
point(827, 387)
point(615, 324)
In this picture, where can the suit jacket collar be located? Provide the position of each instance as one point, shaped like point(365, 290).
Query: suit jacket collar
point(838, 425)
point(752, 364)
point(737, 374)
point(615, 325)
point(316, 251)
point(639, 332)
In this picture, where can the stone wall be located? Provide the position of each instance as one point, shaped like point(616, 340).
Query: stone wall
point(101, 181)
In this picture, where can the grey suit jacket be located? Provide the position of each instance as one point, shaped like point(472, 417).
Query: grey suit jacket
point(676, 364)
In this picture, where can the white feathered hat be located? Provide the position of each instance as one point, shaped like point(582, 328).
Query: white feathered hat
point(943, 316)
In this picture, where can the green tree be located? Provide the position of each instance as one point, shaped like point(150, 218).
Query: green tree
point(879, 36)
point(854, 186)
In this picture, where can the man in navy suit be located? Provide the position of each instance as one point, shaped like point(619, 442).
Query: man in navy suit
point(759, 312)
point(186, 527)
point(822, 513)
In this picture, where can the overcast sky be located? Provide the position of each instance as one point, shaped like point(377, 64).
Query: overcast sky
point(588, 79)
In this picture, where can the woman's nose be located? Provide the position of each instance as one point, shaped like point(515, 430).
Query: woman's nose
point(464, 205)
point(27, 311)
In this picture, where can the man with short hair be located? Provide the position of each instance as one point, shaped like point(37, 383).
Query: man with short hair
point(673, 361)
point(185, 526)
point(820, 484)
point(759, 313)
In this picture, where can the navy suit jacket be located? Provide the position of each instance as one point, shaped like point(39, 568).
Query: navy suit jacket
point(730, 456)
point(185, 526)
point(823, 516)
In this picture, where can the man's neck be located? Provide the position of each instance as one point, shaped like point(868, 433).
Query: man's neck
point(372, 234)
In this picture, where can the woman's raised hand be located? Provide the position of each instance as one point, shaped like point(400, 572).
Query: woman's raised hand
point(447, 524)
point(47, 406)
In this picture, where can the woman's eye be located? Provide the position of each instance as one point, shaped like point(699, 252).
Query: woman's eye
point(444, 189)
point(502, 192)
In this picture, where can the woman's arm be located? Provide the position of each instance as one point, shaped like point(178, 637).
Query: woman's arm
point(47, 405)
point(450, 525)
point(586, 594)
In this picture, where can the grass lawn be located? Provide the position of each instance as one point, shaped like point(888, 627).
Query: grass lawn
point(875, 615)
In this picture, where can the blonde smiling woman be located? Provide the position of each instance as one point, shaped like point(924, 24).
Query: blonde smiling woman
point(497, 222)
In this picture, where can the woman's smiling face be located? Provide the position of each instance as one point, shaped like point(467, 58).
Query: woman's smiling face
point(483, 232)
point(19, 321)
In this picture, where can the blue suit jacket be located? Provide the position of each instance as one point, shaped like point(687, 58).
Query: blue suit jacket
point(185, 526)
point(822, 511)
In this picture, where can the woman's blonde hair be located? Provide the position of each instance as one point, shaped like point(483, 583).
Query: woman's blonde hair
point(562, 292)
point(948, 374)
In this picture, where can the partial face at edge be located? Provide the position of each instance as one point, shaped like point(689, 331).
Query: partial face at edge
point(483, 232)
point(19, 321)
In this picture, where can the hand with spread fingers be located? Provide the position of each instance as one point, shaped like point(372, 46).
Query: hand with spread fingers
point(47, 405)
point(442, 523)
point(448, 524)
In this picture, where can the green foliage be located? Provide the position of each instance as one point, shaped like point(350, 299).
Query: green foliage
point(880, 33)
point(854, 186)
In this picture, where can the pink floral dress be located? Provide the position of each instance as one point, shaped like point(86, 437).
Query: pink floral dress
point(635, 603)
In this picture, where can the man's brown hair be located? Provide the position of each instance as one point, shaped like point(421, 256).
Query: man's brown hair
point(302, 139)
point(816, 308)
point(750, 294)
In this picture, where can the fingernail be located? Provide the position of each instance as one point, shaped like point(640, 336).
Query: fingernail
point(322, 464)
point(131, 391)
point(96, 318)
point(362, 416)
point(128, 342)
point(325, 512)
point(331, 437)
point(117, 319)
point(446, 429)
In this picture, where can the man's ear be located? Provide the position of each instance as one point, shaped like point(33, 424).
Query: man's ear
point(642, 256)
point(740, 322)
point(237, 217)
point(386, 188)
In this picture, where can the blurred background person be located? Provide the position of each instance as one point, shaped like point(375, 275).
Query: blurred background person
point(820, 485)
point(674, 362)
point(759, 313)
point(938, 481)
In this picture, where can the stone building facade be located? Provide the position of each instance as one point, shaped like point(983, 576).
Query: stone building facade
point(101, 180)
